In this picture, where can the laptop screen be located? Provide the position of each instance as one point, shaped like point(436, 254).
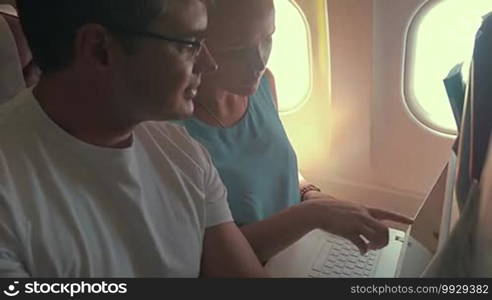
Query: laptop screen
point(428, 221)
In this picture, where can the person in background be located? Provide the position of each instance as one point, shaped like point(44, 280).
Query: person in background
point(93, 182)
point(236, 119)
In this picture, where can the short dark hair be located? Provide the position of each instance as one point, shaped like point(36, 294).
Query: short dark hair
point(50, 26)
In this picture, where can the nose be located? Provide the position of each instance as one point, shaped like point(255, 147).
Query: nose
point(205, 62)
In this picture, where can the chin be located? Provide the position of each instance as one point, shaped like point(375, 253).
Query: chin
point(185, 112)
point(176, 115)
point(183, 116)
point(182, 109)
point(246, 90)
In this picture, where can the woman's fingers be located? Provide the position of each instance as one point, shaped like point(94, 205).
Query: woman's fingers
point(359, 243)
point(382, 214)
point(376, 233)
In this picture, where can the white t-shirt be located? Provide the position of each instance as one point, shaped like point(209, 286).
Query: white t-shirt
point(70, 209)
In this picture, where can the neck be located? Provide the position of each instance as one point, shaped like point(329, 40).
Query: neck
point(217, 98)
point(219, 107)
point(82, 108)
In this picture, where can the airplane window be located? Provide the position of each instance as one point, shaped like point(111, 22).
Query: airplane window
point(441, 36)
point(290, 59)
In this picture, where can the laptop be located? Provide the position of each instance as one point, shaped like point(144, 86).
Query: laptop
point(320, 254)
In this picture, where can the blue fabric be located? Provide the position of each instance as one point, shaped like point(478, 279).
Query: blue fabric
point(254, 158)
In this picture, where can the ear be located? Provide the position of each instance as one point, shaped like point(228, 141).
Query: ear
point(92, 47)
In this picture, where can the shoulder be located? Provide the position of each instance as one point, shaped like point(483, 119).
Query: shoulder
point(174, 140)
point(9, 108)
point(273, 89)
point(14, 121)
point(269, 76)
point(168, 129)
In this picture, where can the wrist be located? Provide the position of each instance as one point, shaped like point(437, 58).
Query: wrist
point(310, 195)
point(308, 190)
point(308, 216)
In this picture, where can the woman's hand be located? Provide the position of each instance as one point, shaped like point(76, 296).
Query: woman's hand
point(351, 220)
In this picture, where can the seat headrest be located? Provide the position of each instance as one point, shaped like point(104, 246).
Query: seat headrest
point(8, 9)
point(481, 90)
point(18, 70)
point(11, 78)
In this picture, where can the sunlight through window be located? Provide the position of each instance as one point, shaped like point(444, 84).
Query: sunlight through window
point(290, 59)
point(443, 38)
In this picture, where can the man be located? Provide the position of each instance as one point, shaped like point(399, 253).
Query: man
point(91, 185)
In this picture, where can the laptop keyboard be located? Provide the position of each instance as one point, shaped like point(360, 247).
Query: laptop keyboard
point(340, 258)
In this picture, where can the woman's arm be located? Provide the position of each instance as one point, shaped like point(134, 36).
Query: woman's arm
point(319, 210)
point(226, 253)
point(272, 235)
point(346, 219)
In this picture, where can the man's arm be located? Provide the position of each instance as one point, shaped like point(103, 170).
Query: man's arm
point(225, 250)
point(226, 253)
point(10, 263)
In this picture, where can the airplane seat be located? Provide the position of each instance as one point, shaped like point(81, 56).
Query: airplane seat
point(481, 100)
point(481, 147)
point(476, 126)
point(463, 254)
point(483, 246)
point(18, 69)
point(464, 179)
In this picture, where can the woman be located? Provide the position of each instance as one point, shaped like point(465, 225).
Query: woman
point(236, 119)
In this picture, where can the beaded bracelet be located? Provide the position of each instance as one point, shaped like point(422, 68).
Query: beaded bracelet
point(308, 188)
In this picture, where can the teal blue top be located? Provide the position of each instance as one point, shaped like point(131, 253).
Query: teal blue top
point(254, 158)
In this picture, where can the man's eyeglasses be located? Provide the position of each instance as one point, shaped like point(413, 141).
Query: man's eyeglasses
point(190, 48)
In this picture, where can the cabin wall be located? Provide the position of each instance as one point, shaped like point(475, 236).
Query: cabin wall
point(378, 154)
point(405, 154)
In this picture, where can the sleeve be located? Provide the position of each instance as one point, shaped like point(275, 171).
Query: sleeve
point(216, 207)
point(10, 244)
